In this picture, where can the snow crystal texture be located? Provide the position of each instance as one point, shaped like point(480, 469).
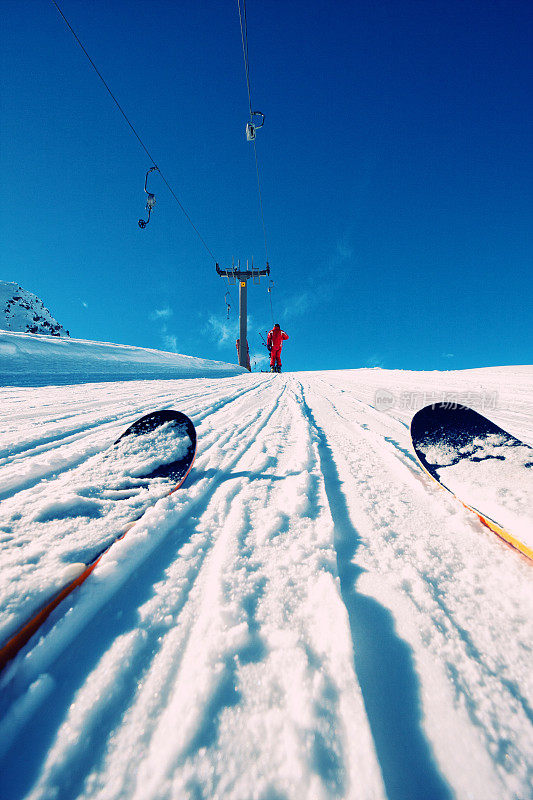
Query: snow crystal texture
point(309, 617)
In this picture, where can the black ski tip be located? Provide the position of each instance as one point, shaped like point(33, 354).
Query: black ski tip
point(449, 420)
point(157, 418)
point(451, 425)
point(175, 470)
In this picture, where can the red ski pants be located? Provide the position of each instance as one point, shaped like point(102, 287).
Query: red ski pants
point(275, 357)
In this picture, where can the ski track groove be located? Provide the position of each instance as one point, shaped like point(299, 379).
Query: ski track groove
point(203, 604)
point(242, 483)
point(196, 479)
point(191, 612)
point(376, 503)
point(411, 768)
point(93, 444)
point(232, 435)
point(196, 510)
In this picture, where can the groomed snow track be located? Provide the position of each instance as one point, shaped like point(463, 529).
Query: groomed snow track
point(310, 616)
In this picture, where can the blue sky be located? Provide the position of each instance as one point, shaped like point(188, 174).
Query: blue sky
point(396, 170)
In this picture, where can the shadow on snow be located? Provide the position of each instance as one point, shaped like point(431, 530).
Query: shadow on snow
point(383, 662)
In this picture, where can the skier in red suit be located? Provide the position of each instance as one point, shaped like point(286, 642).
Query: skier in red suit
point(275, 340)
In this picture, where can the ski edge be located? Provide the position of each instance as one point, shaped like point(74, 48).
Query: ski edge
point(489, 523)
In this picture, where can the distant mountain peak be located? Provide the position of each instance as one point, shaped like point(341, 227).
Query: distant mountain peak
point(25, 312)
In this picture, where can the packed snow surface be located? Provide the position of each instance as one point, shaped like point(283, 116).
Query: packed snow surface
point(309, 616)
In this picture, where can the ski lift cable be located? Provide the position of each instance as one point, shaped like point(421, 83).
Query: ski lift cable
point(246, 35)
point(244, 38)
point(169, 187)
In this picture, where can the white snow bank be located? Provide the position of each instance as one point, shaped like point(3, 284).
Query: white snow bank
point(34, 360)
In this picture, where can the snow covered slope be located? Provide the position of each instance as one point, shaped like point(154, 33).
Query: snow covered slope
point(27, 360)
point(23, 311)
point(309, 617)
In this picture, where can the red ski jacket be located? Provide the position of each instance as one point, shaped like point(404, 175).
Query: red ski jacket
point(275, 338)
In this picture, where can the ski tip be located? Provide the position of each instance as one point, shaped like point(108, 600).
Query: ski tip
point(446, 434)
point(155, 419)
point(175, 470)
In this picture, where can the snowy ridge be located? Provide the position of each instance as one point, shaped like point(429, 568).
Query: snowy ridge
point(23, 311)
point(310, 616)
point(27, 360)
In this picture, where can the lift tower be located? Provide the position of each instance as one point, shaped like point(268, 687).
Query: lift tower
point(243, 276)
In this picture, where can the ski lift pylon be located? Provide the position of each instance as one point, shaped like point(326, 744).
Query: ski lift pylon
point(150, 200)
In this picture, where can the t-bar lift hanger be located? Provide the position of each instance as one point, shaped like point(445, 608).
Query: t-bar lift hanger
point(150, 200)
point(252, 127)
